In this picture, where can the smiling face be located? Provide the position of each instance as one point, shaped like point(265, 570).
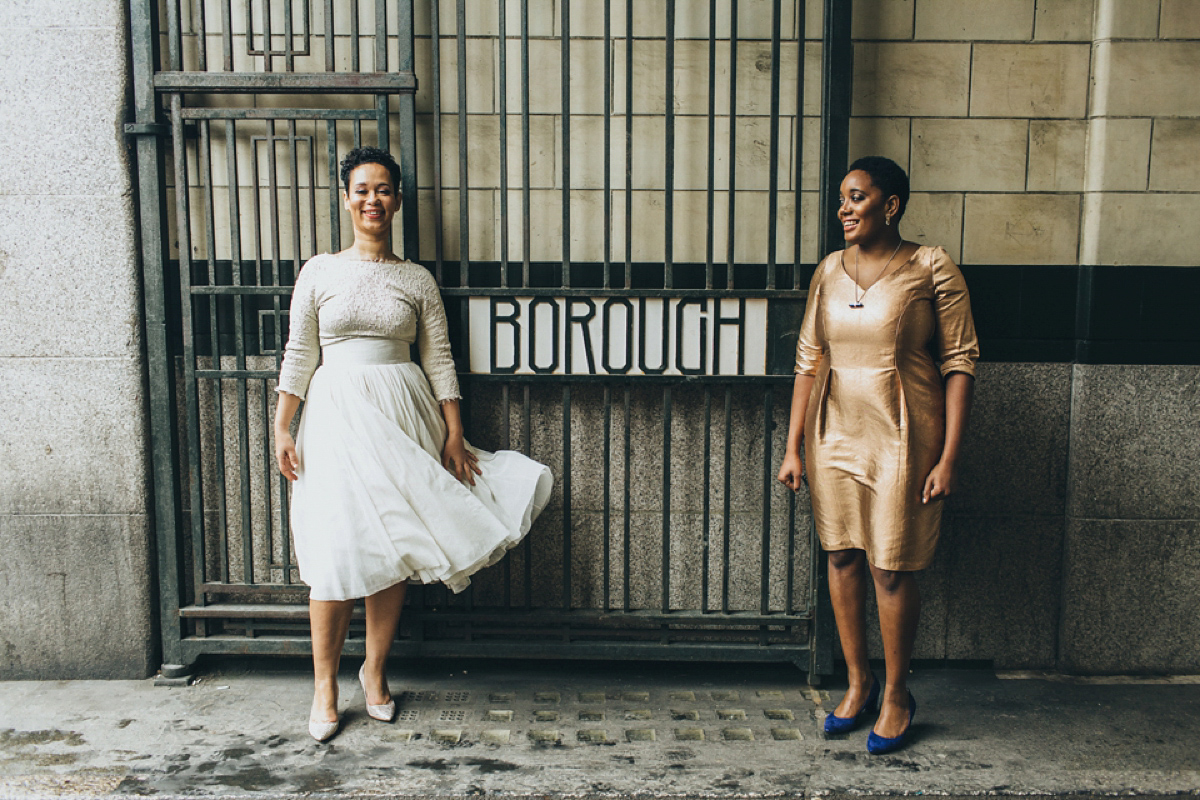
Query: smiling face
point(863, 209)
point(371, 200)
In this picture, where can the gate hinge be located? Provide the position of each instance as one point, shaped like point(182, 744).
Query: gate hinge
point(147, 129)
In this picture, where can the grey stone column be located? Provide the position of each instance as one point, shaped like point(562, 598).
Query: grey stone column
point(75, 581)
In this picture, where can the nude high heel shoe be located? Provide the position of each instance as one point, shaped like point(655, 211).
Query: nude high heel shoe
point(321, 730)
point(384, 712)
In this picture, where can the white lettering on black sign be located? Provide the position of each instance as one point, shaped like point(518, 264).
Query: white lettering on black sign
point(618, 336)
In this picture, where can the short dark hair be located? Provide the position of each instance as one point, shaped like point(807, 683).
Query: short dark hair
point(370, 155)
point(888, 176)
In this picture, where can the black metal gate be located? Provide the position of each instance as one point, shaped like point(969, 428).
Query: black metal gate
point(667, 536)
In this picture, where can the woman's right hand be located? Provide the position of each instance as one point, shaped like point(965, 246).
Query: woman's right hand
point(791, 472)
point(285, 454)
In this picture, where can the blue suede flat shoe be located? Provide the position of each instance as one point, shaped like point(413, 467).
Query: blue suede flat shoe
point(878, 745)
point(836, 724)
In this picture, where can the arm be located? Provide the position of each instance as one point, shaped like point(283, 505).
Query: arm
point(285, 445)
point(791, 472)
point(943, 478)
point(460, 461)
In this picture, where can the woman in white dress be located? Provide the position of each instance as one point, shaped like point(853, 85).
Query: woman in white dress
point(385, 488)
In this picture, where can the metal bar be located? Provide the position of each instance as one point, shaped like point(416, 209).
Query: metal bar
point(436, 76)
point(607, 161)
point(768, 425)
point(669, 164)
point(566, 501)
point(790, 604)
point(551, 291)
point(381, 39)
point(505, 444)
point(628, 145)
point(226, 35)
point(798, 156)
point(565, 80)
point(215, 350)
point(666, 501)
point(525, 229)
point(731, 189)
point(355, 55)
point(268, 50)
point(166, 521)
point(174, 35)
point(189, 352)
point(201, 37)
point(464, 196)
point(525, 448)
point(330, 38)
point(285, 83)
point(644, 619)
point(335, 182)
point(705, 491)
point(726, 497)
point(710, 205)
point(407, 116)
point(606, 522)
point(278, 113)
point(835, 117)
point(626, 605)
point(657, 380)
point(773, 156)
point(502, 9)
point(289, 55)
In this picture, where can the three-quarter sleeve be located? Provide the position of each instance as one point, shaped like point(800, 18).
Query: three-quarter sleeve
point(809, 348)
point(956, 345)
point(303, 350)
point(433, 340)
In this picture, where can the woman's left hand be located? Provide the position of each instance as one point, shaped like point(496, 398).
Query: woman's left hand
point(461, 462)
point(940, 483)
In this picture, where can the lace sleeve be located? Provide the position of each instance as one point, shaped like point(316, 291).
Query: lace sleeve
point(433, 341)
point(303, 349)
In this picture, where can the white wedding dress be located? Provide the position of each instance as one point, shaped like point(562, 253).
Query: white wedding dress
point(372, 505)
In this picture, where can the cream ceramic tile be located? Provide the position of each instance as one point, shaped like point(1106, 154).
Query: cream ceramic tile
point(1143, 228)
point(888, 20)
point(1179, 19)
point(1057, 149)
point(1063, 20)
point(935, 219)
point(545, 70)
point(1021, 229)
point(911, 79)
point(974, 20)
point(880, 136)
point(1174, 166)
point(1127, 19)
point(480, 70)
point(1118, 155)
point(1030, 80)
point(482, 220)
point(970, 155)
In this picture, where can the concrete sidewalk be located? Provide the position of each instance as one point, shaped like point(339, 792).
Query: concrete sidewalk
point(595, 730)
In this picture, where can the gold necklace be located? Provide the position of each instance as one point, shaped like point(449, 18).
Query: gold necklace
point(857, 288)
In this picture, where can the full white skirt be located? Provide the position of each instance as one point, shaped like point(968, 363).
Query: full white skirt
point(372, 504)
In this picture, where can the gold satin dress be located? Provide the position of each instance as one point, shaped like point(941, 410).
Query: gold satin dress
point(876, 420)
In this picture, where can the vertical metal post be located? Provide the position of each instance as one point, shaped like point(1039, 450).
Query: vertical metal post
point(406, 107)
point(837, 63)
point(164, 446)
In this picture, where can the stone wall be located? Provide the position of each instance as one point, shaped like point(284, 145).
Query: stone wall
point(75, 596)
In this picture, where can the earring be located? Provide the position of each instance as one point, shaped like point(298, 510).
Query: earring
point(887, 220)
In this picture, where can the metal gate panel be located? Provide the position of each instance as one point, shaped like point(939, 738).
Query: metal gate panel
point(667, 536)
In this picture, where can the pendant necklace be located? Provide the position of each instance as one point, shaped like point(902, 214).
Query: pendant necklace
point(857, 289)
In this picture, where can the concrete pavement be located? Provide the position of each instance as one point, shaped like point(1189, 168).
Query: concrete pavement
point(592, 730)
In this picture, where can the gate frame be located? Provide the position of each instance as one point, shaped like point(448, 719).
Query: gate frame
point(149, 131)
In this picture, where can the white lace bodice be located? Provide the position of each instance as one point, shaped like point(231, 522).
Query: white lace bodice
point(338, 297)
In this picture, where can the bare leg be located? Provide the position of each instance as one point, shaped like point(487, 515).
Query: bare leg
point(848, 591)
point(899, 611)
point(329, 621)
point(383, 616)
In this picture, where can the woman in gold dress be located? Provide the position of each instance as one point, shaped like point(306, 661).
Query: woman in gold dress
point(885, 369)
